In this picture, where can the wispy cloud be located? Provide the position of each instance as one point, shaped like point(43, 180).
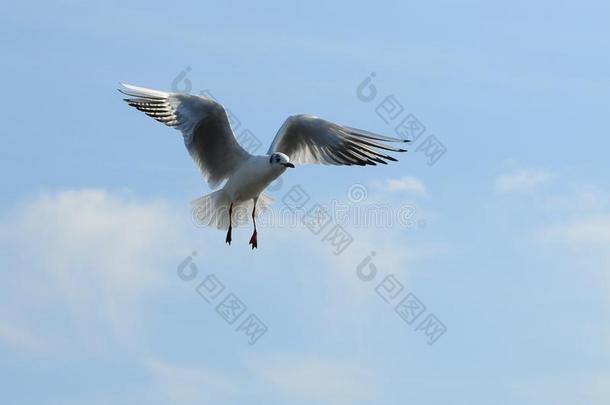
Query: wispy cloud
point(521, 180)
point(408, 184)
point(91, 256)
point(21, 338)
point(317, 379)
point(590, 232)
point(184, 384)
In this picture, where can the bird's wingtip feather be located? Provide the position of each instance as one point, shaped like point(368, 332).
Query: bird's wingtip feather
point(137, 91)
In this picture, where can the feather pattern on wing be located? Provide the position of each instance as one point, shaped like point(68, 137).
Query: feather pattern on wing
point(309, 139)
point(204, 126)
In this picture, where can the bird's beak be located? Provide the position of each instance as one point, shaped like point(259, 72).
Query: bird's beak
point(289, 165)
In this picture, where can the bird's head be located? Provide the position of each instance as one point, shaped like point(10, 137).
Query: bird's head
point(279, 158)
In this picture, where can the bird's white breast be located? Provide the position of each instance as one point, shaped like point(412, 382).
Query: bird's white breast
point(252, 178)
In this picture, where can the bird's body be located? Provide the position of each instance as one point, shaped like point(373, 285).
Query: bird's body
point(249, 181)
point(210, 141)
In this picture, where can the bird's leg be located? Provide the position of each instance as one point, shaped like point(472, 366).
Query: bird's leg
point(228, 240)
point(253, 238)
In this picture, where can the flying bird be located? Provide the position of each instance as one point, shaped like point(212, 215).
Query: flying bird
point(210, 141)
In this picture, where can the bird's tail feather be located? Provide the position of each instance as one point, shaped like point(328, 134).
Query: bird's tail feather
point(213, 210)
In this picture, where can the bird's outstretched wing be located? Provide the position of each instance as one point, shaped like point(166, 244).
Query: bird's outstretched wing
point(204, 126)
point(309, 139)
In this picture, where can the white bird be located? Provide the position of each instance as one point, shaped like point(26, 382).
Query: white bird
point(212, 145)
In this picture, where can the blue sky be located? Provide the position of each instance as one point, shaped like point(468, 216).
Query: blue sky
point(507, 242)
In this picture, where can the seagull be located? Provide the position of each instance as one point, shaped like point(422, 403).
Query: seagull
point(210, 141)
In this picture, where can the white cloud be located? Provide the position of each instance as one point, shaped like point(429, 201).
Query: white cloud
point(89, 256)
point(317, 379)
point(409, 184)
point(521, 180)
